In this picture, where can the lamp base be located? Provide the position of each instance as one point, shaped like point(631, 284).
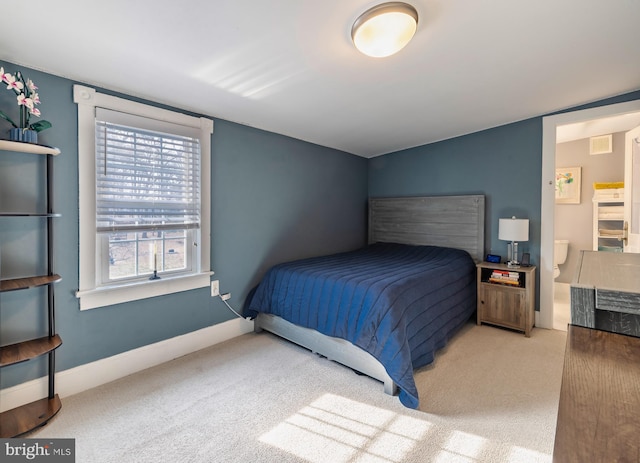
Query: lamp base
point(512, 251)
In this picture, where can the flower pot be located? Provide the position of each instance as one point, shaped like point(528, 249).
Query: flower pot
point(29, 136)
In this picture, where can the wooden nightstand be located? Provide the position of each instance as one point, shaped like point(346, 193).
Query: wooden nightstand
point(506, 296)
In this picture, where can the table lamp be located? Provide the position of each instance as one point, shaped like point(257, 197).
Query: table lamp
point(513, 230)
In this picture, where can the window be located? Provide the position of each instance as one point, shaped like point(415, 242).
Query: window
point(144, 200)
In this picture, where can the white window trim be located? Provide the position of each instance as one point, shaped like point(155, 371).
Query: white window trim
point(90, 296)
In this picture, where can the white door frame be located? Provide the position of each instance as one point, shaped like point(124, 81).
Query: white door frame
point(544, 318)
point(632, 243)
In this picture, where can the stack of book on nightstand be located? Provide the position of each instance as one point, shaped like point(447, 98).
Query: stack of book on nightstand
point(505, 277)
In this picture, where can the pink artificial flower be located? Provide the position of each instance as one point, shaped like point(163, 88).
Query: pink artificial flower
point(31, 86)
point(12, 83)
point(35, 112)
point(24, 101)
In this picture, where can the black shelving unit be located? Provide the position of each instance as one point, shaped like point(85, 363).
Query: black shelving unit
point(25, 418)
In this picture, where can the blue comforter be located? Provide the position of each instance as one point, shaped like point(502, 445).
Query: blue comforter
point(398, 302)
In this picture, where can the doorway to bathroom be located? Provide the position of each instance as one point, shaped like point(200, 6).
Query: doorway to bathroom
point(580, 166)
point(568, 149)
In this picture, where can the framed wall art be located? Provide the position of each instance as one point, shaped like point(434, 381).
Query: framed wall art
point(568, 185)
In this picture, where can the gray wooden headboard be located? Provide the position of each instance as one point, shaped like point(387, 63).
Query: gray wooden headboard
point(450, 221)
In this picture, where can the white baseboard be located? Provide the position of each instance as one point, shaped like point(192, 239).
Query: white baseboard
point(90, 375)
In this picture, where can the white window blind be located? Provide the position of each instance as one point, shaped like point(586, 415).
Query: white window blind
point(147, 174)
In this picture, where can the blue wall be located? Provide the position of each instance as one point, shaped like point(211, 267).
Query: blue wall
point(502, 163)
point(273, 199)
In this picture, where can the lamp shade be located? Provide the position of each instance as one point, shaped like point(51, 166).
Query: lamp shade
point(384, 29)
point(513, 229)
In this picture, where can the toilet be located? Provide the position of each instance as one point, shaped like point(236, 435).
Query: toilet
point(560, 248)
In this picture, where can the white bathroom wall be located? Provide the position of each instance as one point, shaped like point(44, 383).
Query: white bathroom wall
point(574, 222)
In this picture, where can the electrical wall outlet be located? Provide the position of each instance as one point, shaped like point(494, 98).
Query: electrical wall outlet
point(215, 288)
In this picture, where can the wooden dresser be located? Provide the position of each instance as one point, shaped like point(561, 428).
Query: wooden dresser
point(599, 410)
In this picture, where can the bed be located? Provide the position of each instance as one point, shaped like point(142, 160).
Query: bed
point(383, 310)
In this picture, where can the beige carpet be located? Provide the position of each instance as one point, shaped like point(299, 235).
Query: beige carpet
point(491, 396)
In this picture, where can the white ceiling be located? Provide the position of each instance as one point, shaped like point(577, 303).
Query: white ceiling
point(289, 66)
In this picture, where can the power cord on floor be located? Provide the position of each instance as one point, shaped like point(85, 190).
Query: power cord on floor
point(223, 298)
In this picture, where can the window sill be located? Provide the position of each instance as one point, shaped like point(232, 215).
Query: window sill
point(105, 296)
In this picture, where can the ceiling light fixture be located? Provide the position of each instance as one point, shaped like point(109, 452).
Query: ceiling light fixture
point(384, 29)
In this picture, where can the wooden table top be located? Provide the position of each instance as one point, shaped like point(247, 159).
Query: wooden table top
point(599, 410)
